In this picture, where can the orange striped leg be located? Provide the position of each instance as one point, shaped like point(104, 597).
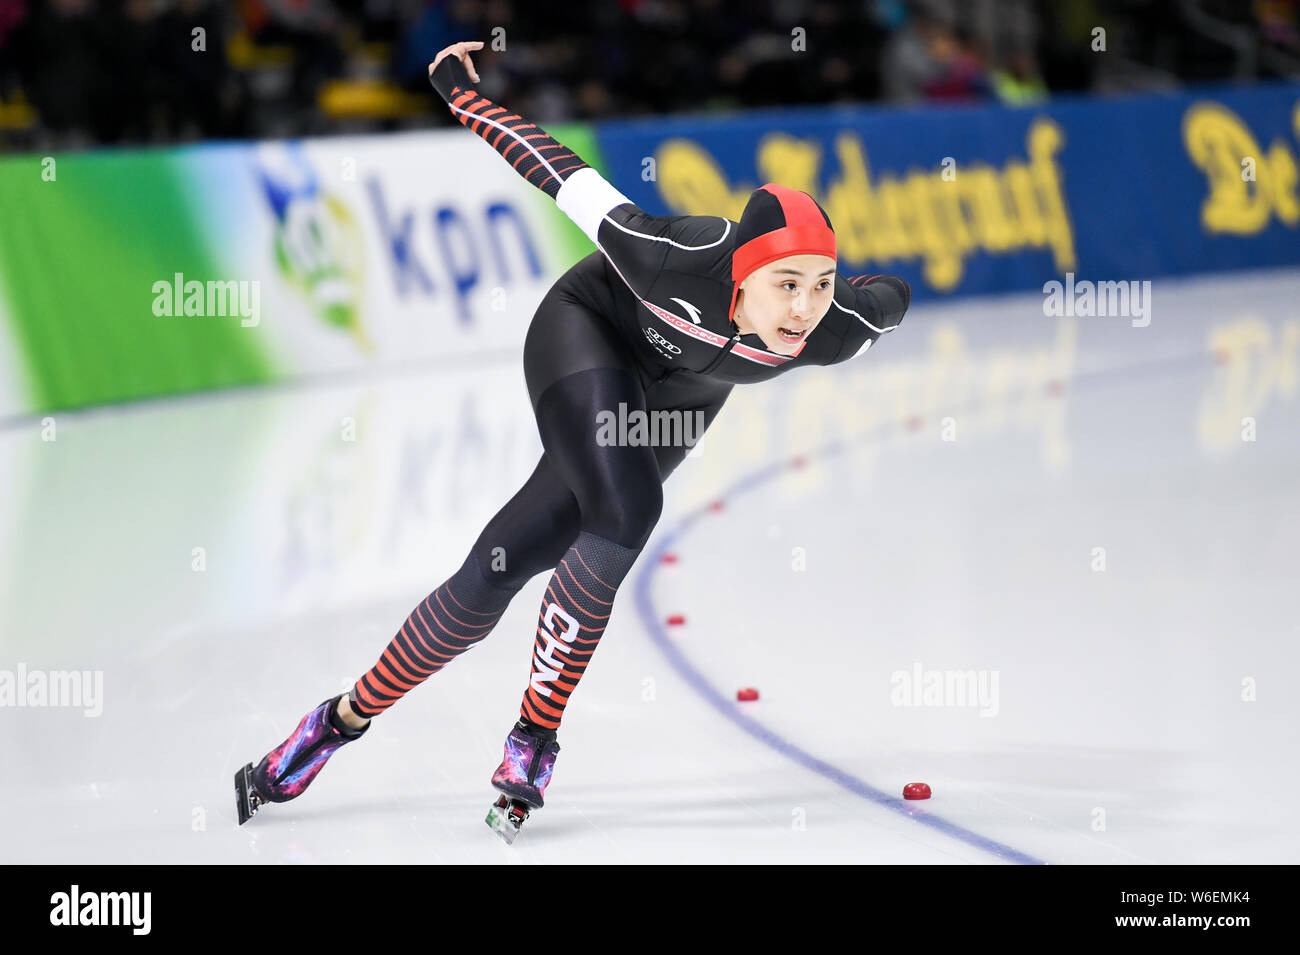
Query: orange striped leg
point(573, 616)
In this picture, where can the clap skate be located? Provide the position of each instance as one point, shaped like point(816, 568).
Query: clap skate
point(522, 777)
point(288, 769)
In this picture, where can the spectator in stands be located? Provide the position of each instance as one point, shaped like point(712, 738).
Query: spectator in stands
point(590, 59)
point(12, 14)
point(202, 96)
point(57, 49)
point(128, 108)
point(959, 72)
point(1016, 82)
point(312, 29)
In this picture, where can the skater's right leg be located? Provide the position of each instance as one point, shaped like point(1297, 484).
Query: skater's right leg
point(528, 535)
point(286, 771)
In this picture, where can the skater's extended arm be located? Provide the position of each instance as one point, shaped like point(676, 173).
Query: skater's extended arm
point(879, 302)
point(528, 148)
point(635, 242)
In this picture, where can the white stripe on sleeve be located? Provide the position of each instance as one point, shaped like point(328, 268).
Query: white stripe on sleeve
point(585, 197)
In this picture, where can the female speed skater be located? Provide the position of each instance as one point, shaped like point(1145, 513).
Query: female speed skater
point(669, 314)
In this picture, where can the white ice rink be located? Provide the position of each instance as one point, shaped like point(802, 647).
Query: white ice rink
point(1071, 511)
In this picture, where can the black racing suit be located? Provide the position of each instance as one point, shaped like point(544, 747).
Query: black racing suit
point(640, 326)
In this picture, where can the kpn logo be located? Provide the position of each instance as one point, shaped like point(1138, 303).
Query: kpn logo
point(318, 245)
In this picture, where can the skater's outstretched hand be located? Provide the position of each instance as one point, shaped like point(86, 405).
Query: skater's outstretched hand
point(461, 52)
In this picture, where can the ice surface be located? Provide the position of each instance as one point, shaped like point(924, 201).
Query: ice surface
point(959, 480)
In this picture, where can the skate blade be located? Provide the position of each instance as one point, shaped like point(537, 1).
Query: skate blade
point(247, 800)
point(506, 817)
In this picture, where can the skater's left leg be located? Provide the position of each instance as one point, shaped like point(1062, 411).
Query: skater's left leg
point(618, 490)
point(620, 507)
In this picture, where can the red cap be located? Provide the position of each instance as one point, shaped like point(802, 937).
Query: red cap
point(777, 222)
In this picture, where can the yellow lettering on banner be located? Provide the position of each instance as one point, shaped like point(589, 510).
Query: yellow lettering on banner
point(791, 162)
point(1217, 141)
point(1281, 183)
point(691, 180)
point(912, 215)
point(1045, 140)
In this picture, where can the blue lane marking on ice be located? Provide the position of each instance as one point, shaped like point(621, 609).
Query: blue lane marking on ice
point(725, 706)
point(1175, 364)
point(1170, 364)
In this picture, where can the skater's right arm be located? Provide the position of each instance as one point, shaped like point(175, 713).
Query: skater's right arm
point(635, 242)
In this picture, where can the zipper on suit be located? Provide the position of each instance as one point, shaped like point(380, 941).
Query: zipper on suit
point(721, 355)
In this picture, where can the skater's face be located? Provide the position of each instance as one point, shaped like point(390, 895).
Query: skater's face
point(784, 300)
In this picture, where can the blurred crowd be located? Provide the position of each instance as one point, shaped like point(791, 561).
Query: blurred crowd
point(84, 72)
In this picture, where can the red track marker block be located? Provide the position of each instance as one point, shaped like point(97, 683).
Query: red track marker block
point(747, 694)
point(916, 791)
point(676, 620)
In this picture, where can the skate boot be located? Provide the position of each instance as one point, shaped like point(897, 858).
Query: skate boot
point(522, 777)
point(288, 769)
